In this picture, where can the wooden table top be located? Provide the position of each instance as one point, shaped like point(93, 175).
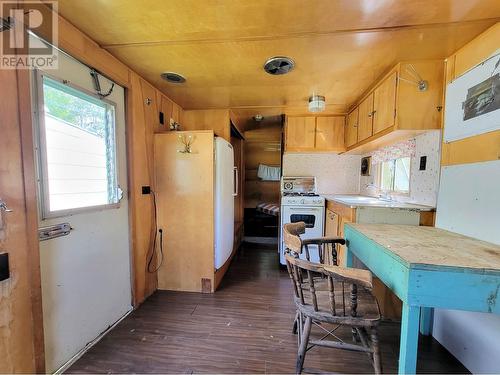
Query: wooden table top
point(432, 246)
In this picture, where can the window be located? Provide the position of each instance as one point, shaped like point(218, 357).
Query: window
point(77, 149)
point(394, 175)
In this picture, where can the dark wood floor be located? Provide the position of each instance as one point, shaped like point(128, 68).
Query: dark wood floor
point(243, 328)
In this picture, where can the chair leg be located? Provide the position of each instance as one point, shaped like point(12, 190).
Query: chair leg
point(377, 363)
point(295, 323)
point(355, 335)
point(303, 345)
point(300, 325)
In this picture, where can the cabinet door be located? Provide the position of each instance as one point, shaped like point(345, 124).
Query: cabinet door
point(365, 126)
point(330, 133)
point(300, 133)
point(384, 104)
point(351, 136)
point(331, 228)
point(332, 223)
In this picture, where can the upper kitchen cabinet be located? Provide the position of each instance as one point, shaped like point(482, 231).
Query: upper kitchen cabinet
point(384, 104)
point(314, 134)
point(395, 108)
point(300, 133)
point(330, 133)
point(351, 133)
point(365, 118)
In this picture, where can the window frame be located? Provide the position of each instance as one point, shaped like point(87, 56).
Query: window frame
point(391, 191)
point(41, 152)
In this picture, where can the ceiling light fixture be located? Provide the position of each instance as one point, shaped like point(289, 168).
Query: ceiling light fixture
point(173, 77)
point(258, 118)
point(316, 103)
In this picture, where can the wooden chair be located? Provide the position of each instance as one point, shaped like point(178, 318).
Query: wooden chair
point(326, 247)
point(347, 301)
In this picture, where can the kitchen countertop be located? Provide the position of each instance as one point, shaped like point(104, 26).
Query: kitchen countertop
point(355, 201)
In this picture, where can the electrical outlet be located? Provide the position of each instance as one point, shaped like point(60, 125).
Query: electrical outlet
point(4, 266)
point(146, 190)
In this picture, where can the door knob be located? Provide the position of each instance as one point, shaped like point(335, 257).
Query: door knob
point(3, 206)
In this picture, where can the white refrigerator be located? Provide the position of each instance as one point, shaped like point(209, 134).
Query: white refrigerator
point(226, 177)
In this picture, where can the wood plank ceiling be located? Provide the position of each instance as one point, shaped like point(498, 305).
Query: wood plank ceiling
point(339, 46)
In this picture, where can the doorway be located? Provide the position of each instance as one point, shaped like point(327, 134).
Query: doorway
point(262, 182)
point(82, 183)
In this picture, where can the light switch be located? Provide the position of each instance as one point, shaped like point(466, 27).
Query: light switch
point(4, 266)
point(423, 163)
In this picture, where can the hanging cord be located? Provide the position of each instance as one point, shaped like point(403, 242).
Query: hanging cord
point(97, 85)
point(153, 248)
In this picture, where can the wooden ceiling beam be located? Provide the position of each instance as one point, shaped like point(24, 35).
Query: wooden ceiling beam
point(296, 35)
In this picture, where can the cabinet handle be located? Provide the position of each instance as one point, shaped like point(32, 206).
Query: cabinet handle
point(372, 113)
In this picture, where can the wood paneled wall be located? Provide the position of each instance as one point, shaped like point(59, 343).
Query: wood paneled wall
point(21, 330)
point(262, 146)
point(217, 120)
point(483, 147)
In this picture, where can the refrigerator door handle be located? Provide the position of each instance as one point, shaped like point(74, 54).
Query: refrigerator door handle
point(236, 183)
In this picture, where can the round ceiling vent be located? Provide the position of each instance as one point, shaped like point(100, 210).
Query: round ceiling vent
point(279, 65)
point(173, 77)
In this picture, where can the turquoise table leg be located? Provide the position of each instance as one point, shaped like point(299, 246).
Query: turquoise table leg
point(426, 320)
point(409, 339)
point(348, 258)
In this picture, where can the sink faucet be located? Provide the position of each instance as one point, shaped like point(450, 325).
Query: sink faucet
point(384, 196)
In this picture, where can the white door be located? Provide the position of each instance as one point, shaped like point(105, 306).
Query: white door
point(224, 201)
point(86, 284)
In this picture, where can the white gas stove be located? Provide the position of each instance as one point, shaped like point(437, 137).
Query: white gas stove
point(300, 202)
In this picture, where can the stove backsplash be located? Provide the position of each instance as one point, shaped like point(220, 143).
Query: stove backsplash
point(335, 174)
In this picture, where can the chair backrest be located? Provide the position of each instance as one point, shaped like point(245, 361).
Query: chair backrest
point(337, 277)
point(326, 247)
point(343, 284)
point(291, 236)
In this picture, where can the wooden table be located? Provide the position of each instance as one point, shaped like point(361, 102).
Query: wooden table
point(427, 267)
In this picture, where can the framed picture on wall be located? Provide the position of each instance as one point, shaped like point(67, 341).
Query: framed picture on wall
point(473, 101)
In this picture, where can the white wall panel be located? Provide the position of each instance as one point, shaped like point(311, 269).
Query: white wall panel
point(469, 204)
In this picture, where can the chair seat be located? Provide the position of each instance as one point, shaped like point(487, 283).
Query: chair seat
point(367, 312)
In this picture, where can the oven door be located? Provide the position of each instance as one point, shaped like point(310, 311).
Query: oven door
point(314, 219)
